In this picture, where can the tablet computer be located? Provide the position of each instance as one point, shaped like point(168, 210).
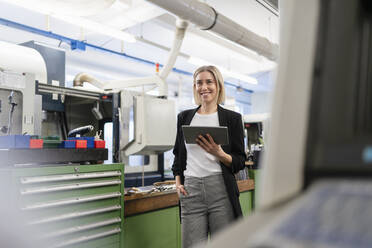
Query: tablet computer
point(219, 134)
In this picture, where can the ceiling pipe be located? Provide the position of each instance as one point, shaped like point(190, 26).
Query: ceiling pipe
point(157, 79)
point(68, 40)
point(181, 26)
point(82, 77)
point(207, 18)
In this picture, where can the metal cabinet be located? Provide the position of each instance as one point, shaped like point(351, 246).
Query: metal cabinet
point(156, 229)
point(72, 205)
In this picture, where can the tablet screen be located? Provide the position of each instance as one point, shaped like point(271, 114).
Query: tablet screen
point(219, 134)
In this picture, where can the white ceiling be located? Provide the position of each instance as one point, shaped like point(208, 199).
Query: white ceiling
point(145, 20)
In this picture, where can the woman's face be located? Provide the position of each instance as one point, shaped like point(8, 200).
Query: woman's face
point(206, 87)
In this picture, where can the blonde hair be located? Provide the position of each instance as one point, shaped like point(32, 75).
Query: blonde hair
point(219, 81)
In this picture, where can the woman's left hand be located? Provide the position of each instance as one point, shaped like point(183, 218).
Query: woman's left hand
point(208, 144)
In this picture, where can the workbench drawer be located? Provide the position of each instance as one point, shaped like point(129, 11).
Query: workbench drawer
point(73, 206)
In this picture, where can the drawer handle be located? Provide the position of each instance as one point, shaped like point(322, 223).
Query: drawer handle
point(71, 201)
point(68, 187)
point(75, 215)
point(87, 238)
point(55, 178)
point(82, 228)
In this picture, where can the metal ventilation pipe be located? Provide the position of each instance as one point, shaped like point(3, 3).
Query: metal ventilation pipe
point(181, 26)
point(207, 18)
point(82, 77)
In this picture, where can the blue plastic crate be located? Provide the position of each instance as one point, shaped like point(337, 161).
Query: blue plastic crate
point(90, 140)
point(7, 141)
point(14, 141)
point(68, 144)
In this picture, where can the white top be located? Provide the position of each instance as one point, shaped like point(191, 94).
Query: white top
point(199, 162)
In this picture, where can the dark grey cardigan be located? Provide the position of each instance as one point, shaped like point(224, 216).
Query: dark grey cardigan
point(235, 148)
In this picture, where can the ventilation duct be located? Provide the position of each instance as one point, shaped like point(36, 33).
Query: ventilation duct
point(207, 18)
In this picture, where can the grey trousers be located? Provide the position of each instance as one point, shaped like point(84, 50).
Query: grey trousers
point(205, 209)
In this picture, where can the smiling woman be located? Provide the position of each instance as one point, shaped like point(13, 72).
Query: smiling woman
point(204, 172)
point(208, 83)
point(206, 87)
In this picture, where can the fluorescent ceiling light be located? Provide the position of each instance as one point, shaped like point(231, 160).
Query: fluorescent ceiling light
point(139, 12)
point(239, 76)
point(120, 5)
point(74, 20)
point(96, 27)
point(224, 71)
point(67, 7)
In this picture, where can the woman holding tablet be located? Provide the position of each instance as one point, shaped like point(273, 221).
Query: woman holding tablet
point(204, 172)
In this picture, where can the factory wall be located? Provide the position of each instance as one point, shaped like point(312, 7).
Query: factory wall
point(261, 102)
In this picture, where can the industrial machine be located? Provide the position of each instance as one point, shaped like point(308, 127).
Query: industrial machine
point(32, 108)
point(141, 124)
point(147, 123)
point(20, 107)
point(254, 125)
point(154, 118)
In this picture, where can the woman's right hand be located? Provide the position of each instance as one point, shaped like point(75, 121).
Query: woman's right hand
point(181, 190)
